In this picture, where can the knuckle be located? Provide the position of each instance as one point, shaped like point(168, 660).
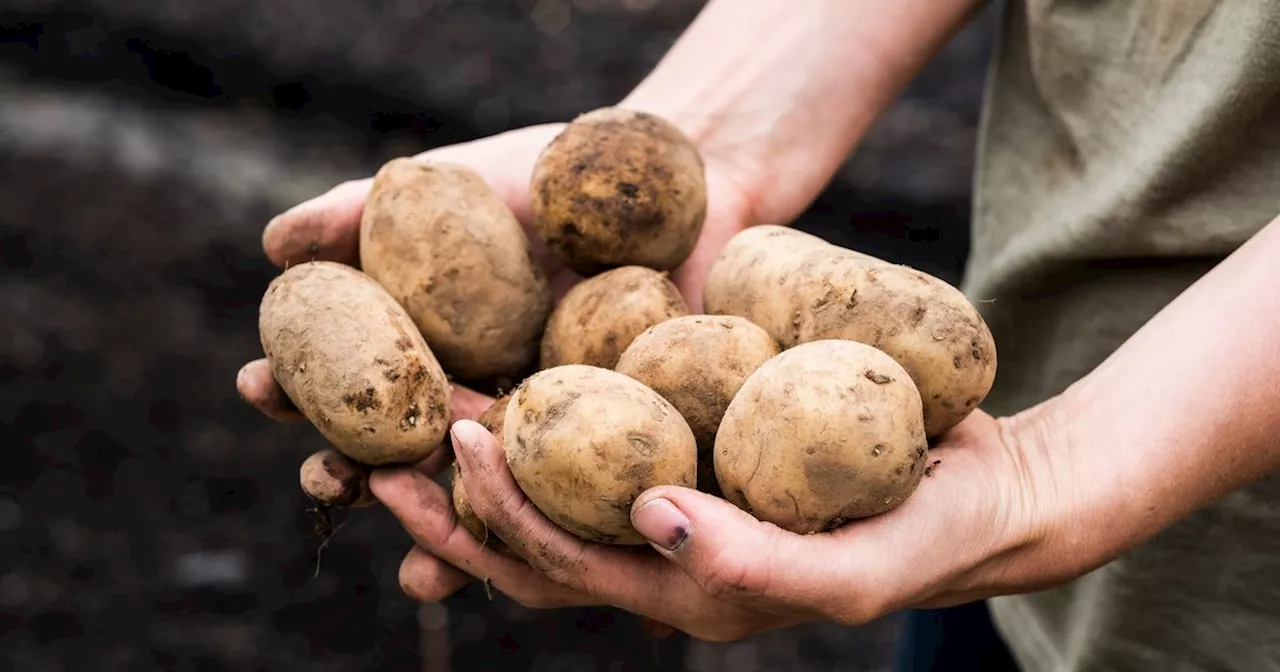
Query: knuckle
point(728, 578)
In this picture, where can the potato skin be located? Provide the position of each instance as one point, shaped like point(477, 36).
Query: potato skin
point(583, 442)
point(454, 255)
point(619, 187)
point(698, 363)
point(599, 317)
point(335, 480)
point(492, 420)
point(826, 432)
point(800, 288)
point(348, 356)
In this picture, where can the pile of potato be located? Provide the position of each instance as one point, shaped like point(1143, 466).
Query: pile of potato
point(807, 394)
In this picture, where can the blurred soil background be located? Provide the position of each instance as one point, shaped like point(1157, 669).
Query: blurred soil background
point(149, 520)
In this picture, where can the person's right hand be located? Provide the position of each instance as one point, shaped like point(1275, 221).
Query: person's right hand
point(327, 228)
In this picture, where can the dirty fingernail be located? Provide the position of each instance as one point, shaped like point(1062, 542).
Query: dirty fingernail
point(662, 523)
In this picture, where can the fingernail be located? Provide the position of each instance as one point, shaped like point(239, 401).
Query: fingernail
point(463, 435)
point(662, 523)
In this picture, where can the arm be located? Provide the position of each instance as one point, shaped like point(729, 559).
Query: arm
point(1187, 410)
point(784, 93)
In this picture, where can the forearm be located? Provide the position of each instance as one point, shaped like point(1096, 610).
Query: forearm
point(1187, 410)
point(784, 91)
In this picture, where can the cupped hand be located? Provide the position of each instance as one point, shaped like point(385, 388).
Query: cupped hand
point(717, 573)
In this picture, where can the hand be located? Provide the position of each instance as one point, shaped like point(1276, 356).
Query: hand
point(717, 573)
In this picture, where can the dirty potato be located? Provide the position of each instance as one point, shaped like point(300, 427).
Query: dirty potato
point(453, 254)
point(335, 480)
point(826, 432)
point(698, 363)
point(600, 316)
point(348, 356)
point(801, 288)
point(618, 188)
point(583, 442)
point(492, 420)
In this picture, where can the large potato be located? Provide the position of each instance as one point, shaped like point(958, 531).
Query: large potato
point(698, 363)
point(351, 360)
point(618, 188)
point(583, 442)
point(492, 420)
point(826, 432)
point(599, 317)
point(453, 254)
point(801, 288)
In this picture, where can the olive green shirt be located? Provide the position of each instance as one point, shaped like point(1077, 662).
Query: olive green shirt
point(1128, 146)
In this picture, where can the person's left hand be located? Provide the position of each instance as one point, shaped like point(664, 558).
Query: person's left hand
point(968, 532)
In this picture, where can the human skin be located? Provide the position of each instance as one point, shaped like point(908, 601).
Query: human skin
point(775, 98)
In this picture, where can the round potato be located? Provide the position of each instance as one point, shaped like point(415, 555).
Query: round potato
point(583, 442)
point(617, 188)
point(453, 254)
point(492, 420)
point(800, 288)
point(335, 480)
point(599, 317)
point(826, 432)
point(350, 359)
point(698, 363)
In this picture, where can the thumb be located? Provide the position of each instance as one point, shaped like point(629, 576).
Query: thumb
point(729, 553)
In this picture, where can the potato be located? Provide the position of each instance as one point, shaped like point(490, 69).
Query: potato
point(826, 432)
point(801, 288)
point(492, 420)
point(617, 188)
point(698, 363)
point(348, 356)
point(335, 480)
point(583, 442)
point(453, 254)
point(599, 317)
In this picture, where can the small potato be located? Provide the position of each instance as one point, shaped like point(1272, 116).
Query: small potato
point(348, 356)
point(698, 363)
point(492, 420)
point(334, 480)
point(599, 317)
point(453, 254)
point(800, 288)
point(619, 188)
point(826, 432)
point(583, 442)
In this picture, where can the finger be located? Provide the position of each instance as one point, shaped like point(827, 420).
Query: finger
point(426, 578)
point(732, 555)
point(426, 512)
point(621, 576)
point(326, 227)
point(258, 386)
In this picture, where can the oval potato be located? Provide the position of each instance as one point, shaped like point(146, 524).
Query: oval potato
point(454, 255)
point(698, 363)
point(335, 480)
point(826, 432)
point(583, 442)
point(599, 317)
point(619, 187)
point(348, 356)
point(800, 288)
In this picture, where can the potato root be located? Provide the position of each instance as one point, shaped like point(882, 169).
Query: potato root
point(583, 442)
point(348, 356)
point(492, 420)
point(801, 288)
point(698, 363)
point(826, 432)
point(599, 317)
point(619, 187)
point(453, 254)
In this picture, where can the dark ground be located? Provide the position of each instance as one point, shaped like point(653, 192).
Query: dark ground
point(149, 519)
